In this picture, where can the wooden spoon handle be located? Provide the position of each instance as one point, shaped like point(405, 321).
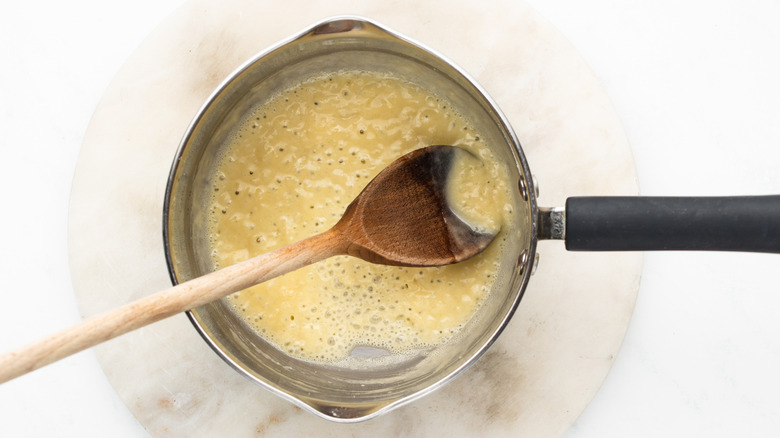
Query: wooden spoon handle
point(177, 299)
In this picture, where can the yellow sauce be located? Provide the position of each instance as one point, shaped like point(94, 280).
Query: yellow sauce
point(289, 172)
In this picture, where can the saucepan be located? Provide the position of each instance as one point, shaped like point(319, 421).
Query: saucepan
point(350, 393)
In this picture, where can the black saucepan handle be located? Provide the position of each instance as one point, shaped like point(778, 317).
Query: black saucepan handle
point(749, 223)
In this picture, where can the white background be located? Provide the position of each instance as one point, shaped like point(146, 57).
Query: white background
point(695, 83)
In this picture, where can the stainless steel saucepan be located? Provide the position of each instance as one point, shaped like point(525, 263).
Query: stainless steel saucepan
point(377, 385)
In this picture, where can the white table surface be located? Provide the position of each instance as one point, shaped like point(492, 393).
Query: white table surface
point(695, 83)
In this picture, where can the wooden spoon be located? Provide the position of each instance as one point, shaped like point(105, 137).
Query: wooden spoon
point(401, 218)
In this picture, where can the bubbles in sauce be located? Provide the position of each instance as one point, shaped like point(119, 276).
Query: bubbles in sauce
point(289, 171)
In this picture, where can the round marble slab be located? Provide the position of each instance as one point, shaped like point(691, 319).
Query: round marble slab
point(561, 343)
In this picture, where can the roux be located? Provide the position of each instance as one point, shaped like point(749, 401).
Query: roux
point(289, 171)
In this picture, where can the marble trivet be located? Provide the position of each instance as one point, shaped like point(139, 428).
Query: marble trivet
point(561, 343)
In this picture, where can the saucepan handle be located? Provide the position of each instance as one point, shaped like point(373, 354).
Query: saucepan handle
point(750, 223)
